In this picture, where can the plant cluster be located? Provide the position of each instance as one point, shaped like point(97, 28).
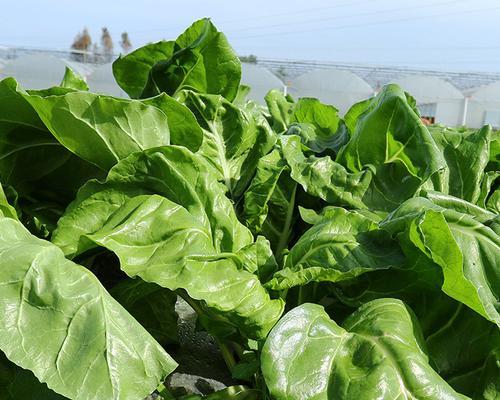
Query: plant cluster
point(339, 258)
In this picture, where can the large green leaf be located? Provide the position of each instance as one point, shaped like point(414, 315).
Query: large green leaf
point(26, 145)
point(342, 245)
point(104, 129)
point(234, 139)
point(467, 251)
point(58, 321)
point(466, 153)
point(378, 353)
point(200, 59)
point(390, 137)
point(173, 172)
point(165, 199)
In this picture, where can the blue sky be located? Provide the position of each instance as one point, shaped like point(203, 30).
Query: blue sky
point(457, 35)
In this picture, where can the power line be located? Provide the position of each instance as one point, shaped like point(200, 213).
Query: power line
point(357, 15)
point(259, 17)
point(339, 27)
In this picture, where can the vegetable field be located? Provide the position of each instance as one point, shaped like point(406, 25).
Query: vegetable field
point(339, 258)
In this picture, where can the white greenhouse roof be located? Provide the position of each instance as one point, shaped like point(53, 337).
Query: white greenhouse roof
point(260, 80)
point(39, 71)
point(490, 93)
point(340, 88)
point(101, 80)
point(429, 89)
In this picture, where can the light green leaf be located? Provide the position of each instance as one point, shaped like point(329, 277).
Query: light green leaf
point(342, 245)
point(71, 80)
point(378, 353)
point(104, 129)
point(58, 321)
point(200, 59)
point(323, 177)
point(190, 214)
point(183, 127)
point(390, 137)
point(466, 154)
point(467, 252)
point(234, 139)
point(132, 70)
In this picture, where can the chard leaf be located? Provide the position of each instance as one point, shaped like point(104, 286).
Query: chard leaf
point(183, 127)
point(269, 206)
point(25, 146)
point(324, 178)
point(104, 129)
point(340, 246)
point(161, 242)
point(467, 251)
point(234, 139)
point(390, 137)
point(72, 80)
point(164, 199)
point(132, 70)
point(58, 321)
point(281, 108)
point(377, 353)
point(467, 155)
point(200, 59)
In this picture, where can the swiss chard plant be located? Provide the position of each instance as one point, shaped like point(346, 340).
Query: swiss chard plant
point(328, 257)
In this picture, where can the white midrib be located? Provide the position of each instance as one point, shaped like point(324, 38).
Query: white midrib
point(221, 153)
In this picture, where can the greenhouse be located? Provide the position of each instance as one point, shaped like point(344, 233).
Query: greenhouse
point(340, 88)
point(438, 100)
point(39, 71)
point(260, 80)
point(484, 106)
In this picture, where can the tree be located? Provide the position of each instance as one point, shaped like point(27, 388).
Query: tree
point(125, 43)
point(82, 43)
point(107, 44)
point(249, 59)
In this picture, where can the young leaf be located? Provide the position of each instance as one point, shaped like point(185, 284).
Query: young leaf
point(74, 81)
point(200, 59)
point(390, 137)
point(234, 139)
